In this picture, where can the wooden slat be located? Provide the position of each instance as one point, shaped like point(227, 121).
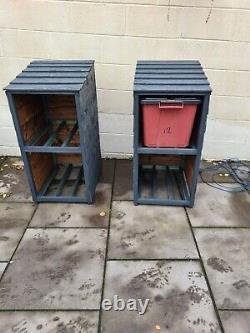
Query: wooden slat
point(168, 182)
point(62, 182)
point(162, 66)
point(53, 135)
point(153, 182)
point(164, 81)
point(56, 69)
point(168, 62)
point(59, 65)
point(172, 88)
point(70, 135)
point(84, 62)
point(47, 80)
point(48, 182)
point(160, 76)
point(169, 71)
point(35, 139)
point(77, 182)
point(44, 87)
point(24, 74)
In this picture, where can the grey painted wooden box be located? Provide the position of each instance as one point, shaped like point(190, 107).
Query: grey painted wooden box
point(54, 109)
point(168, 176)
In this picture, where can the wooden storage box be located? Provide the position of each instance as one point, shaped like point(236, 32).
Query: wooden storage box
point(54, 109)
point(168, 176)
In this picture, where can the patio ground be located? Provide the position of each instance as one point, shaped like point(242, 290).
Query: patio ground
point(59, 261)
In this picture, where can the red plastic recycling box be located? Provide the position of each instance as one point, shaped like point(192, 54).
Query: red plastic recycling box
point(168, 122)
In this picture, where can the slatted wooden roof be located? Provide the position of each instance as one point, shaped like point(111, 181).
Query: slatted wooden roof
point(170, 76)
point(52, 75)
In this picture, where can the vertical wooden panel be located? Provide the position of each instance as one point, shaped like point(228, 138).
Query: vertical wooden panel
point(41, 167)
point(189, 169)
point(30, 114)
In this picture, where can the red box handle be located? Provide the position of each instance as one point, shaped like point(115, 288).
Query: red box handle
point(171, 105)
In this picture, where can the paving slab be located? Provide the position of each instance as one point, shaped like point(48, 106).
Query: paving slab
point(76, 215)
point(226, 254)
point(214, 207)
point(123, 186)
point(235, 321)
point(149, 232)
point(55, 269)
point(14, 218)
point(108, 169)
point(13, 182)
point(178, 296)
point(2, 267)
point(48, 322)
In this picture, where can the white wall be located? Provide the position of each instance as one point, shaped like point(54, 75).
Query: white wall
point(118, 32)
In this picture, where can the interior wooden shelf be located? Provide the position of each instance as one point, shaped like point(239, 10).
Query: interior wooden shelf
point(66, 181)
point(162, 183)
point(175, 151)
point(57, 137)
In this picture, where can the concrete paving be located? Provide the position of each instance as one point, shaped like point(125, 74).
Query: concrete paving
point(226, 253)
point(123, 186)
point(48, 322)
point(2, 267)
point(139, 232)
point(76, 215)
point(13, 181)
point(236, 321)
point(179, 300)
point(218, 208)
point(59, 261)
point(56, 269)
point(14, 218)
